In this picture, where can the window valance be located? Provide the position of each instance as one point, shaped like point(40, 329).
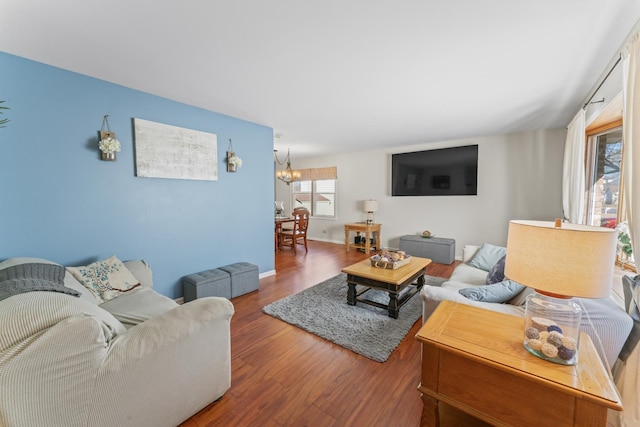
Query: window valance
point(317, 174)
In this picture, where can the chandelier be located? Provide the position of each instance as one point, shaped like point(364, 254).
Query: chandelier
point(286, 175)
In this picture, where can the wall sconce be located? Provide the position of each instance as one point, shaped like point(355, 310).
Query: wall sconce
point(108, 143)
point(233, 161)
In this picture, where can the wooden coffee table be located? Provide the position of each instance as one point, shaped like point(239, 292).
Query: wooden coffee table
point(392, 281)
point(473, 360)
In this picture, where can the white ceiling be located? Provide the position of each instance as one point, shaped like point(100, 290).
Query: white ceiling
point(339, 75)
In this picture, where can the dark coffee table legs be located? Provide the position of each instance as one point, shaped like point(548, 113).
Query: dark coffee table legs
point(395, 301)
point(394, 305)
point(351, 293)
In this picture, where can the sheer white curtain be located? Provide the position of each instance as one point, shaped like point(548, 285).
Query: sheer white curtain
point(573, 179)
point(631, 137)
point(628, 375)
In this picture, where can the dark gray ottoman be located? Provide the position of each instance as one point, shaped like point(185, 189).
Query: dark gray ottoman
point(244, 278)
point(437, 249)
point(209, 283)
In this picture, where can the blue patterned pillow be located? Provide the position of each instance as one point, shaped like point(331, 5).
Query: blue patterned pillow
point(106, 279)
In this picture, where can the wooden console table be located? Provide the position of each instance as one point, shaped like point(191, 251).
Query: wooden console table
point(473, 360)
point(367, 229)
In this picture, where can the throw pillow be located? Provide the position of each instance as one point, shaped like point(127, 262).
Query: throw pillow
point(487, 256)
point(631, 288)
point(106, 279)
point(498, 292)
point(496, 275)
point(468, 251)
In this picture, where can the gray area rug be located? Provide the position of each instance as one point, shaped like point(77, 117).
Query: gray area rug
point(363, 329)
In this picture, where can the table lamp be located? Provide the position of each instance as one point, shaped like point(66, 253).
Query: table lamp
point(560, 261)
point(370, 206)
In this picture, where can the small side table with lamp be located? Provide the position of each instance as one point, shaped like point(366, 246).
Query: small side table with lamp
point(474, 363)
point(368, 230)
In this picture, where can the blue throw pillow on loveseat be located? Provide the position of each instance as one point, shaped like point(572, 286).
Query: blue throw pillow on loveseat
point(496, 274)
point(487, 256)
point(497, 292)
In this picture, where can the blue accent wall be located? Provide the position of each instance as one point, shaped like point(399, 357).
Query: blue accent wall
point(60, 202)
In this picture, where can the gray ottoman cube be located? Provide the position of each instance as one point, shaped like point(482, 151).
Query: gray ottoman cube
point(437, 249)
point(209, 283)
point(244, 278)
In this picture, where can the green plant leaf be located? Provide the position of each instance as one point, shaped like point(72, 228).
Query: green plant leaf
point(3, 121)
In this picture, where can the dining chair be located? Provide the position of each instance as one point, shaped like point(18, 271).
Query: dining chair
point(299, 208)
point(279, 227)
point(297, 235)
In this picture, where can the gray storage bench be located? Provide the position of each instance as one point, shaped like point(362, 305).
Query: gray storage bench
point(437, 249)
point(244, 278)
point(228, 282)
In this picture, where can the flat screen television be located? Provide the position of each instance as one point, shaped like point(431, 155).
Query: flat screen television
point(442, 172)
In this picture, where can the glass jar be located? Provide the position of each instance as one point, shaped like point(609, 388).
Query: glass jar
point(552, 328)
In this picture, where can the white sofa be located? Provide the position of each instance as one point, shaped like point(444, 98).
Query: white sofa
point(137, 360)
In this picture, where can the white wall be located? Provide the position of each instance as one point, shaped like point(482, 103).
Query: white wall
point(519, 177)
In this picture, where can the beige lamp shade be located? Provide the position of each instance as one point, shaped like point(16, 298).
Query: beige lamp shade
point(371, 206)
point(569, 260)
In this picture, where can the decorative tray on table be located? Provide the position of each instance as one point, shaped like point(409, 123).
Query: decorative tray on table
point(390, 260)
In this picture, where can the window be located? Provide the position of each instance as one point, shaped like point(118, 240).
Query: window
point(318, 196)
point(604, 161)
point(605, 158)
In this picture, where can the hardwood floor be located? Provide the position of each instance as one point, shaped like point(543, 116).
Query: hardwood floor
point(284, 376)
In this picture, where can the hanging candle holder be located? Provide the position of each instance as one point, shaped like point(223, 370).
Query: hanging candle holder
point(108, 143)
point(233, 161)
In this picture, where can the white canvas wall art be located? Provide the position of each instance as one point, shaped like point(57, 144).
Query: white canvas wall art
point(165, 151)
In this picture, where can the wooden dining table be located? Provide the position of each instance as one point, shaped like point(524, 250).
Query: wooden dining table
point(278, 229)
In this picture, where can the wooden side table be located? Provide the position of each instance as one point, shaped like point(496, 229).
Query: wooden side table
point(368, 230)
point(473, 360)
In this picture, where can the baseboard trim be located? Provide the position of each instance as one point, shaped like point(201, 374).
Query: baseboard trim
point(267, 274)
point(318, 239)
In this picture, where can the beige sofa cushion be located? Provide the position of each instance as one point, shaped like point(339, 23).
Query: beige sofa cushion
point(138, 306)
point(141, 270)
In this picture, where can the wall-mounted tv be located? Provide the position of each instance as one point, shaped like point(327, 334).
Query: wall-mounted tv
point(442, 172)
